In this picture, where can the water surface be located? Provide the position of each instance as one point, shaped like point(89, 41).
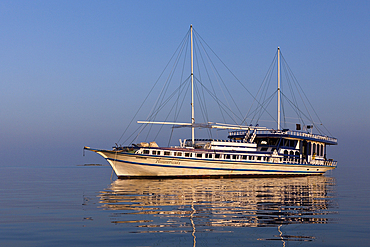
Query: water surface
point(81, 205)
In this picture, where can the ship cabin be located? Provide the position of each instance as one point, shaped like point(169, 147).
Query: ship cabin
point(276, 146)
point(294, 146)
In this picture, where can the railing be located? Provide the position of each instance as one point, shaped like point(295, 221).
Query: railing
point(324, 162)
point(312, 162)
point(213, 140)
point(289, 132)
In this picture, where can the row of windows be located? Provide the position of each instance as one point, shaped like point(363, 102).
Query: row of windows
point(276, 141)
point(318, 149)
point(313, 148)
point(206, 155)
point(291, 153)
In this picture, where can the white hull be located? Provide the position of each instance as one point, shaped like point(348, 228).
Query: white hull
point(138, 165)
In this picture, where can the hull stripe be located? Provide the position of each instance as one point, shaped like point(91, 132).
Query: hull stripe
point(211, 168)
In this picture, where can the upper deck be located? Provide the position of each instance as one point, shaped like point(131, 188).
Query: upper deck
point(287, 134)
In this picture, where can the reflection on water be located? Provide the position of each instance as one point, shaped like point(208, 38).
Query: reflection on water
point(193, 205)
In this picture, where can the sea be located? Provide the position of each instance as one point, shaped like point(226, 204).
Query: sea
point(86, 205)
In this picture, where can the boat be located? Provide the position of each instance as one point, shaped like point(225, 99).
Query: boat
point(248, 150)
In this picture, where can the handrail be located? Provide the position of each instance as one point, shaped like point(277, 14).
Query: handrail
point(289, 132)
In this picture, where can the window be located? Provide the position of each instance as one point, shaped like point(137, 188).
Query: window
point(292, 143)
point(259, 158)
point(227, 156)
point(199, 155)
point(272, 141)
point(167, 153)
point(285, 155)
point(217, 156)
point(235, 157)
point(146, 151)
point(187, 155)
point(156, 152)
point(209, 156)
point(286, 143)
point(244, 157)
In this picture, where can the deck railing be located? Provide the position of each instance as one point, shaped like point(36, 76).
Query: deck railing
point(289, 132)
point(312, 162)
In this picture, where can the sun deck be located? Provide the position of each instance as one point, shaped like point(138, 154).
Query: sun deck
point(287, 134)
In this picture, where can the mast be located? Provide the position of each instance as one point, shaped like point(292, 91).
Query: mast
point(278, 90)
point(192, 87)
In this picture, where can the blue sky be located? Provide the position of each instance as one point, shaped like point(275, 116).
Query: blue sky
point(73, 73)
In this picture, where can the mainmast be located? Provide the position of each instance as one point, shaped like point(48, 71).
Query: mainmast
point(192, 87)
point(278, 90)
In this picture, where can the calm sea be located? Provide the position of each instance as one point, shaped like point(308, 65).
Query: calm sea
point(87, 206)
